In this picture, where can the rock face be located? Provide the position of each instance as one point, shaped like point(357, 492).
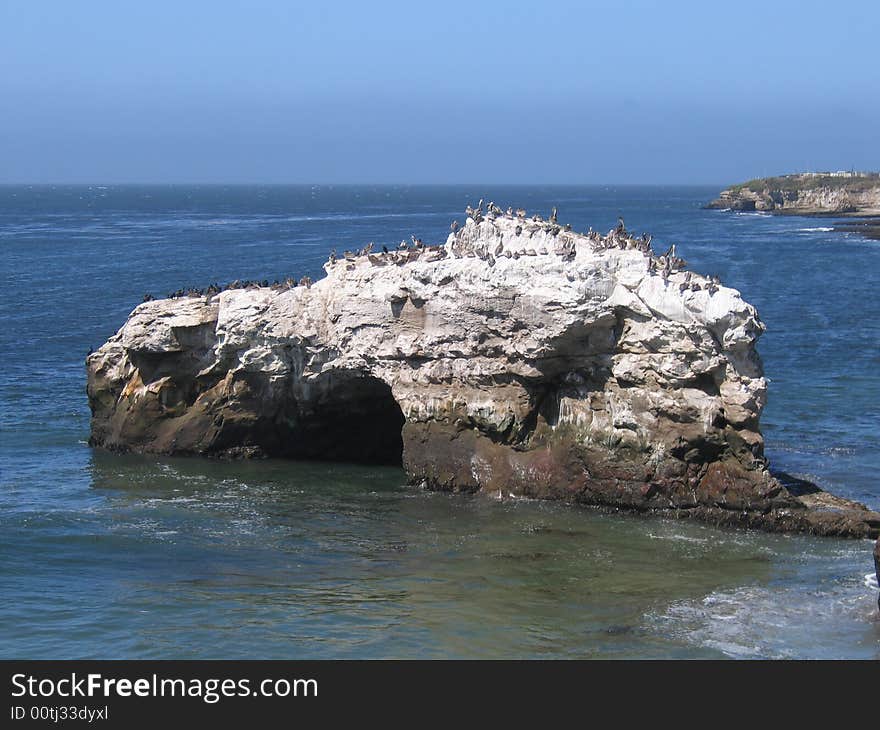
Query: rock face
point(877, 566)
point(519, 359)
point(806, 194)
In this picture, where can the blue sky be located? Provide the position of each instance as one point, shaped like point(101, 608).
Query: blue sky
point(568, 92)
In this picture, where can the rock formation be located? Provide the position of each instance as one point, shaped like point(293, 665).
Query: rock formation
point(519, 359)
point(877, 566)
point(806, 194)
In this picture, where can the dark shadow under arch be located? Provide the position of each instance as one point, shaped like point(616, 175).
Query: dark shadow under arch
point(355, 419)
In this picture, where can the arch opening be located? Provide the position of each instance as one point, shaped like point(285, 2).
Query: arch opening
point(353, 419)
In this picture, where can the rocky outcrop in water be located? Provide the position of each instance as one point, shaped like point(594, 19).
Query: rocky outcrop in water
point(520, 358)
point(806, 194)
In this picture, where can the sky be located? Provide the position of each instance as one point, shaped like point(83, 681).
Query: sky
point(276, 91)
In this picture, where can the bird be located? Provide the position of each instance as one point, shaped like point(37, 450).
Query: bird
point(454, 226)
point(553, 215)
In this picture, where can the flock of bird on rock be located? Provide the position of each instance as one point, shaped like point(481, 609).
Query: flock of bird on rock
point(406, 252)
point(618, 237)
point(213, 289)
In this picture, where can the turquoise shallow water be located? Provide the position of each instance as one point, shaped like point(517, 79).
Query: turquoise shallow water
point(108, 556)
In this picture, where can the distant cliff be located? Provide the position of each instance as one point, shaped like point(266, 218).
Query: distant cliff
point(812, 193)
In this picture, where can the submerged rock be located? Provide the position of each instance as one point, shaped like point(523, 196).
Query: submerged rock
point(518, 359)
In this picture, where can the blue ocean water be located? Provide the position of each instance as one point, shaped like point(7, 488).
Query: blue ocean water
point(136, 557)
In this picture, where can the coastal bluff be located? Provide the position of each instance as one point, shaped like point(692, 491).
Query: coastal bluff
point(811, 193)
point(519, 359)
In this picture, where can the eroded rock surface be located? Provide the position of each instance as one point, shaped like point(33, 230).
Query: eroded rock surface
point(520, 358)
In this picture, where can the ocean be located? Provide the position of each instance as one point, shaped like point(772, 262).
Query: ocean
point(108, 556)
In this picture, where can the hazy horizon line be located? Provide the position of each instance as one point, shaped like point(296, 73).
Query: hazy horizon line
point(241, 183)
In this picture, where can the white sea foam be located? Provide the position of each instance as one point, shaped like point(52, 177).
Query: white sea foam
point(820, 229)
point(770, 622)
point(682, 538)
point(871, 582)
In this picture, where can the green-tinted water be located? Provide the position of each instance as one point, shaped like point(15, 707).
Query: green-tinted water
point(201, 559)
